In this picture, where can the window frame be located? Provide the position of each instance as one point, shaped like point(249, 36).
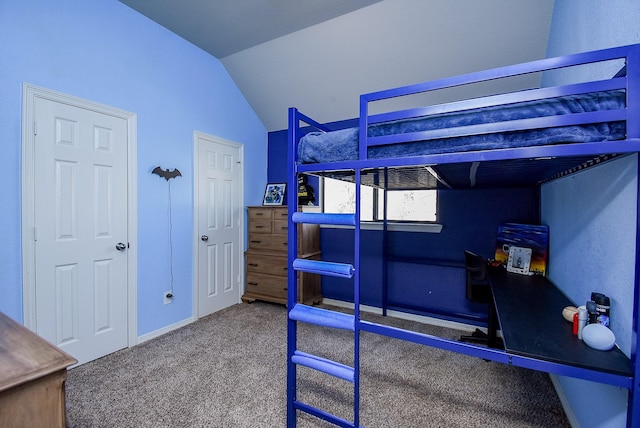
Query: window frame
point(431, 226)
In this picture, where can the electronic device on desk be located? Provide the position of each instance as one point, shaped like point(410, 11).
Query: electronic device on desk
point(519, 260)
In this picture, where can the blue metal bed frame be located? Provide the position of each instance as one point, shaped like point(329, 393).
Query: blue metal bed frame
point(301, 313)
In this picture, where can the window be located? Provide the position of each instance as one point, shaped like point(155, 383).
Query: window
point(410, 205)
point(340, 197)
point(403, 205)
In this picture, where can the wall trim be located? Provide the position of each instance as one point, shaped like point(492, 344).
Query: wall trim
point(197, 135)
point(568, 410)
point(29, 95)
point(404, 315)
point(164, 330)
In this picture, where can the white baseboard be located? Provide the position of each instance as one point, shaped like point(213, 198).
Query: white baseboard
point(164, 330)
point(404, 315)
point(564, 401)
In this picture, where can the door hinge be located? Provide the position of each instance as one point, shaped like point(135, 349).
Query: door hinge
point(35, 128)
point(35, 233)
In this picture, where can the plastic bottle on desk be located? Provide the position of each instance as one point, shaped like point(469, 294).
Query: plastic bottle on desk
point(583, 316)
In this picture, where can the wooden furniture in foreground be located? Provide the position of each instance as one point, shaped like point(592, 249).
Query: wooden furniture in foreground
point(32, 376)
point(266, 258)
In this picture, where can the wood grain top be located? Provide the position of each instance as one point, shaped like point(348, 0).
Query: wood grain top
point(25, 356)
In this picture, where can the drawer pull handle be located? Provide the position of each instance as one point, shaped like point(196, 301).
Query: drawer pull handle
point(259, 213)
point(256, 242)
point(253, 283)
point(253, 264)
point(257, 226)
point(285, 288)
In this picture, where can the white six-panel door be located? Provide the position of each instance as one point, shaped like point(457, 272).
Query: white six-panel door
point(80, 229)
point(219, 219)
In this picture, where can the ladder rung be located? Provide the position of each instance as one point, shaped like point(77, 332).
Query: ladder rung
point(333, 368)
point(322, 317)
point(324, 218)
point(342, 270)
point(322, 414)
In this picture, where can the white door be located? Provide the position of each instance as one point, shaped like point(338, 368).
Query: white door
point(218, 226)
point(80, 229)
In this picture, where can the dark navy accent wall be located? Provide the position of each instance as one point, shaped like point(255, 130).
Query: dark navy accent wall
point(277, 152)
point(426, 270)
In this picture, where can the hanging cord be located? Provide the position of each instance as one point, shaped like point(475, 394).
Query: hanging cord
point(170, 243)
point(167, 175)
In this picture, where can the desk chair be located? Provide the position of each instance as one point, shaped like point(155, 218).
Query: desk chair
point(479, 291)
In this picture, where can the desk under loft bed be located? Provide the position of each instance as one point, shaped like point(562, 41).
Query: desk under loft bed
point(526, 138)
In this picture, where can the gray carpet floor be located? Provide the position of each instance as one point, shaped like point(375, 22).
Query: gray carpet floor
point(229, 370)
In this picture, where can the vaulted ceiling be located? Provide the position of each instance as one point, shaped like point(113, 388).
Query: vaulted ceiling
point(320, 55)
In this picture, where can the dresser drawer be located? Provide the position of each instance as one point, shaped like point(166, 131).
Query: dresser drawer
point(271, 265)
point(268, 242)
point(275, 286)
point(280, 227)
point(281, 213)
point(260, 213)
point(261, 226)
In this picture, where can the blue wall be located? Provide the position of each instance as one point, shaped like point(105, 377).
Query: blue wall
point(278, 161)
point(592, 215)
point(104, 51)
point(426, 270)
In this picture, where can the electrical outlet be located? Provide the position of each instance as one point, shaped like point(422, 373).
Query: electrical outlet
point(168, 297)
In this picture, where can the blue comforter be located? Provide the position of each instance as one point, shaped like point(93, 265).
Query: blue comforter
point(341, 145)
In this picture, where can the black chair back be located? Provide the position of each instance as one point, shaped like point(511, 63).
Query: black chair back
point(478, 289)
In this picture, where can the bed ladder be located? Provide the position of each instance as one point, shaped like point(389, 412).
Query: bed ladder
point(298, 312)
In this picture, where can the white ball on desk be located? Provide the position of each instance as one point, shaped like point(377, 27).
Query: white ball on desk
point(598, 337)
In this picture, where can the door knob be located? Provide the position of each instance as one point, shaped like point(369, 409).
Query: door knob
point(204, 238)
point(120, 246)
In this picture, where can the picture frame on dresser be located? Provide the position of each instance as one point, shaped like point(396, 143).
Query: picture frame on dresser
point(274, 194)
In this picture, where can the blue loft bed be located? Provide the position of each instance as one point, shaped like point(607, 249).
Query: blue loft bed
point(518, 138)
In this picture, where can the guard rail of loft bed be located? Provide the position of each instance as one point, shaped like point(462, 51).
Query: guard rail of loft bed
point(624, 86)
point(459, 141)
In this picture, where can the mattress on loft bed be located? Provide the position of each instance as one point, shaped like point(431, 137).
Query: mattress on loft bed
point(342, 145)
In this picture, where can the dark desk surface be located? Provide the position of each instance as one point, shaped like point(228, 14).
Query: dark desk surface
point(530, 314)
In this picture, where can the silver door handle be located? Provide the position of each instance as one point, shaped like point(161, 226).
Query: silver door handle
point(204, 238)
point(120, 246)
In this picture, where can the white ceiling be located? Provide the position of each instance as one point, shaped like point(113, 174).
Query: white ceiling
point(320, 55)
point(225, 27)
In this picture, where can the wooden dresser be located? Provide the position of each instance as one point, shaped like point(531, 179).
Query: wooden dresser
point(266, 257)
point(32, 376)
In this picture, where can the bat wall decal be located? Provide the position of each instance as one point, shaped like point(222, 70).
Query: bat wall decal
point(165, 173)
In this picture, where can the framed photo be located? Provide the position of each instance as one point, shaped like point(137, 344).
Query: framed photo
point(274, 194)
point(519, 260)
